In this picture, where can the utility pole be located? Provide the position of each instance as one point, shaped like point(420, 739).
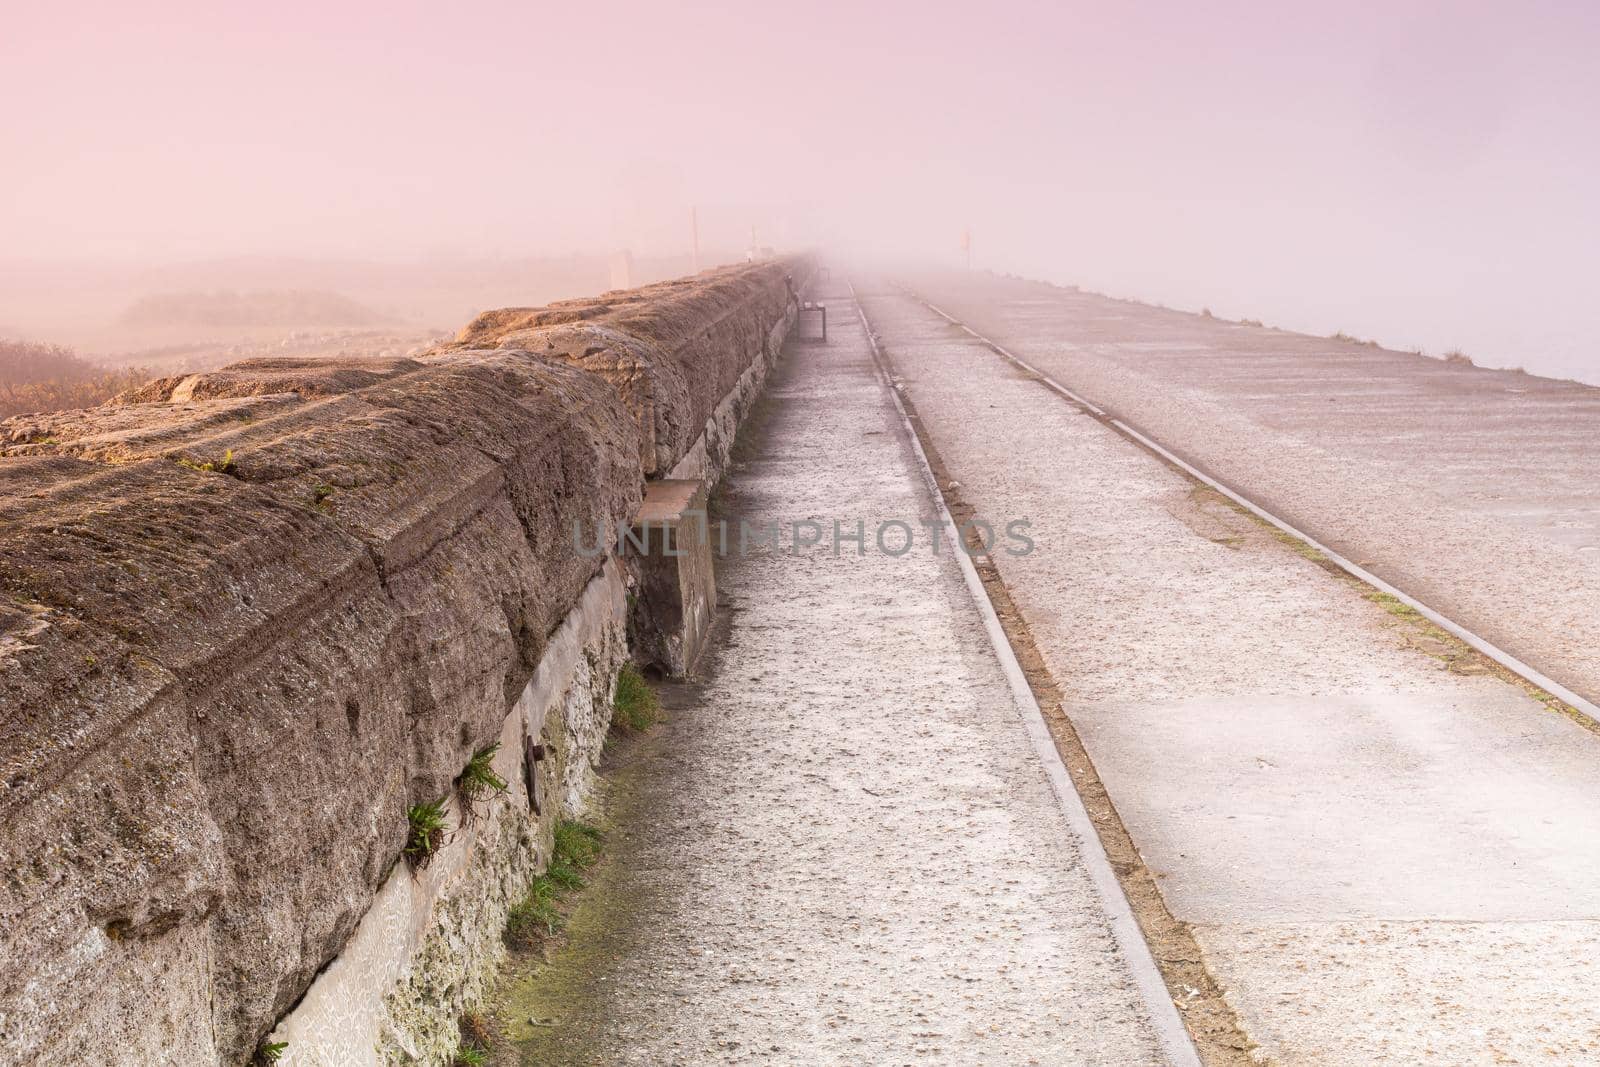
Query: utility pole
point(966, 246)
point(694, 231)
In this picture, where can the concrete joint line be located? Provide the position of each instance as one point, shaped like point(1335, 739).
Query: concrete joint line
point(1164, 1017)
point(1581, 704)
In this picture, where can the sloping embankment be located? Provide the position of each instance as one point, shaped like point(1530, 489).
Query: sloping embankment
point(248, 618)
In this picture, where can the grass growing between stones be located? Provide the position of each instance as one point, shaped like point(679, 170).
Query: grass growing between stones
point(1394, 605)
point(478, 780)
point(1418, 632)
point(225, 465)
point(539, 914)
point(1299, 547)
point(635, 706)
point(427, 833)
point(478, 1041)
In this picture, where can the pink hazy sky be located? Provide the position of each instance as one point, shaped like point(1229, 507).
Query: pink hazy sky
point(1422, 172)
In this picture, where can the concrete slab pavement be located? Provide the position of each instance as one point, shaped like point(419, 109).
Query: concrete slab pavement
point(1477, 491)
point(846, 850)
point(1384, 861)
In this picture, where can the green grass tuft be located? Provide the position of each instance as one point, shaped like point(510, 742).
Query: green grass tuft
point(538, 914)
point(635, 705)
point(269, 1052)
point(471, 1056)
point(223, 466)
point(577, 845)
point(427, 832)
point(478, 780)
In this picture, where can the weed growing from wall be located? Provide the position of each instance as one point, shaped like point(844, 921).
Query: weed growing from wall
point(225, 465)
point(478, 781)
point(427, 833)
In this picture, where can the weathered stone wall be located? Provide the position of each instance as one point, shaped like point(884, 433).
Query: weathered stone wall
point(248, 617)
point(674, 351)
point(426, 948)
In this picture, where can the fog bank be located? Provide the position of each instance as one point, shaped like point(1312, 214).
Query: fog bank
point(1418, 173)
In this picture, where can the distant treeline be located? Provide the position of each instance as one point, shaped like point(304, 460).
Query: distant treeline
point(272, 307)
point(41, 377)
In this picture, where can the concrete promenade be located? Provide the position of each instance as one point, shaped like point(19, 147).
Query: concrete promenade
point(843, 849)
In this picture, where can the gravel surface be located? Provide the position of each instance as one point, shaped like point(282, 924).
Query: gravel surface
point(1385, 861)
point(1477, 491)
point(844, 849)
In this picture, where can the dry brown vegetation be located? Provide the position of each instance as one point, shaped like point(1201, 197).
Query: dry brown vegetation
point(43, 377)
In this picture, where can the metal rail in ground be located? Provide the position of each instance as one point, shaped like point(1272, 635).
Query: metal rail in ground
point(1164, 1018)
point(1577, 702)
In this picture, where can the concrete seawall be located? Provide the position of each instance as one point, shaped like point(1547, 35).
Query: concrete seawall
point(249, 617)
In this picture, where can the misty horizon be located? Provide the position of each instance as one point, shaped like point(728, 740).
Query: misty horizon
point(1419, 177)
